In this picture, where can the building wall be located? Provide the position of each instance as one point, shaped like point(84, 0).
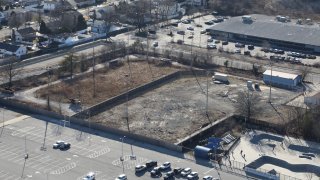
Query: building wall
point(259, 41)
point(281, 82)
point(21, 51)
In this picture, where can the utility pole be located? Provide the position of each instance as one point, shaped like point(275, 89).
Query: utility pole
point(93, 68)
point(43, 147)
point(270, 83)
point(49, 81)
point(26, 156)
point(2, 121)
point(207, 94)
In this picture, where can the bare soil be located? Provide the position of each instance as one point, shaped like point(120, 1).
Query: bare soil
point(178, 109)
point(109, 82)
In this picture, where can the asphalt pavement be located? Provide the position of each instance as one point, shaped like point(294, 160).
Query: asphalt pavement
point(90, 151)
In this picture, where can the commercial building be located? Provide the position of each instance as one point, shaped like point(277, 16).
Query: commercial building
point(277, 32)
point(281, 79)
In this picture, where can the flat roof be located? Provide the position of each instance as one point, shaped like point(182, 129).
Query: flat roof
point(268, 27)
point(280, 74)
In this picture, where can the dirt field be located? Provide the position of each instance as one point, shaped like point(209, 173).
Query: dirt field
point(178, 109)
point(109, 82)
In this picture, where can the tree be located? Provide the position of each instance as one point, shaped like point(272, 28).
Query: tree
point(137, 13)
point(81, 24)
point(68, 64)
point(247, 103)
point(164, 8)
point(304, 71)
point(44, 29)
point(16, 20)
point(11, 71)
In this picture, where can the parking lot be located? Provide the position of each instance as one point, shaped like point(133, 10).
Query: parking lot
point(98, 152)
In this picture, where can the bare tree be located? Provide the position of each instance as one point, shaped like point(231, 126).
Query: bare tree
point(304, 71)
point(247, 103)
point(68, 64)
point(10, 71)
point(16, 20)
point(164, 8)
point(137, 12)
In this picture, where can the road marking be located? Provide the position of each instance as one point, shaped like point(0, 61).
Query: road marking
point(64, 169)
point(209, 171)
point(15, 120)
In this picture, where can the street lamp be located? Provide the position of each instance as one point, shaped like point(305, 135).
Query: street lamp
point(121, 157)
point(2, 121)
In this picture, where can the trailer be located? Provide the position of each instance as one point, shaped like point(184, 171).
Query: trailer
point(220, 77)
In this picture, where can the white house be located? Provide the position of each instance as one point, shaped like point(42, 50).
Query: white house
point(99, 27)
point(194, 2)
point(50, 5)
point(10, 49)
point(2, 16)
point(25, 35)
point(82, 3)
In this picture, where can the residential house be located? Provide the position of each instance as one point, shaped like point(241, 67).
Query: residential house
point(194, 2)
point(99, 27)
point(50, 5)
point(83, 3)
point(2, 17)
point(26, 35)
point(30, 2)
point(10, 49)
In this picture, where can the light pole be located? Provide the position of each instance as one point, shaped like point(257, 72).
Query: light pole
point(121, 157)
point(2, 121)
point(93, 67)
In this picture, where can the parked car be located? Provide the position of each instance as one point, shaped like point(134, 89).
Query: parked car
point(190, 28)
point(217, 41)
point(140, 168)
point(177, 170)
point(203, 31)
point(155, 44)
point(121, 177)
point(181, 32)
point(209, 22)
point(198, 25)
point(225, 42)
point(151, 164)
point(193, 175)
point(179, 41)
point(309, 56)
point(190, 36)
point(211, 46)
point(210, 39)
point(169, 175)
point(239, 45)
point(155, 172)
point(90, 176)
point(185, 172)
point(61, 145)
point(186, 21)
point(251, 47)
point(166, 165)
point(207, 178)
point(237, 51)
point(247, 53)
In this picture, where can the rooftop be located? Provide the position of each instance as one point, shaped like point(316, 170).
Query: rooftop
point(268, 27)
point(280, 74)
point(9, 47)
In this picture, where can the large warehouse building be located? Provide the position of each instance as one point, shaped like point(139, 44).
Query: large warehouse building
point(262, 30)
point(281, 79)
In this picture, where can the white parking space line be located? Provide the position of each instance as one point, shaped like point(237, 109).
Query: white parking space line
point(7, 176)
point(127, 163)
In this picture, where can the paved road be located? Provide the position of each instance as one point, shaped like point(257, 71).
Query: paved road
point(99, 153)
